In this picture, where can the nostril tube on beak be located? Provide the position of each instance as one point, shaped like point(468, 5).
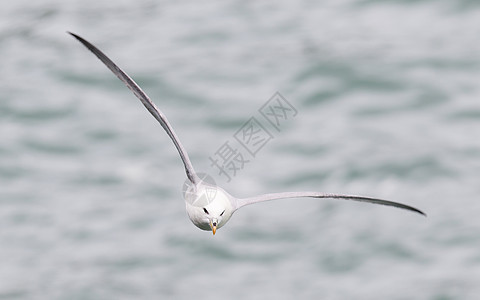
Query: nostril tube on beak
point(213, 225)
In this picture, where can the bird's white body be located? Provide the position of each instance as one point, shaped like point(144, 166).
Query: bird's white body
point(209, 206)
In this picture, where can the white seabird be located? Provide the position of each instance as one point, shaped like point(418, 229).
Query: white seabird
point(206, 209)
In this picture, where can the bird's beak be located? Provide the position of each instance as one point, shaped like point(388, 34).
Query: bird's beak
point(214, 227)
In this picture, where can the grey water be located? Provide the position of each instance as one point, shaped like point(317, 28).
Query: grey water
point(387, 100)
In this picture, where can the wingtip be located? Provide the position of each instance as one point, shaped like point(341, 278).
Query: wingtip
point(78, 38)
point(413, 209)
point(73, 34)
point(418, 211)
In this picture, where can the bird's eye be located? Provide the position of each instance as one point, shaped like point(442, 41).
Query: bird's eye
point(222, 213)
point(206, 211)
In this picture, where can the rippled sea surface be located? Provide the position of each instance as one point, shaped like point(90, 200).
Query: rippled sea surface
point(387, 95)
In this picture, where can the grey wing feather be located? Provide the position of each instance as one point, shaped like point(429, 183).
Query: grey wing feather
point(157, 114)
point(266, 197)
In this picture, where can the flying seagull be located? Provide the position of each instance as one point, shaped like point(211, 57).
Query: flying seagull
point(209, 206)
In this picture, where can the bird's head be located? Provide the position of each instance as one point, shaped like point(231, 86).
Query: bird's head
point(208, 207)
point(213, 216)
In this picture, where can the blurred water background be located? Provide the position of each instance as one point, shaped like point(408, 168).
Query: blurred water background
point(387, 94)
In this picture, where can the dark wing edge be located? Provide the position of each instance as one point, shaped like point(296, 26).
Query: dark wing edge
point(266, 197)
point(149, 105)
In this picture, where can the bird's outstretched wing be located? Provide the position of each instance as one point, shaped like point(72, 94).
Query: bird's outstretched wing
point(157, 114)
point(266, 197)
